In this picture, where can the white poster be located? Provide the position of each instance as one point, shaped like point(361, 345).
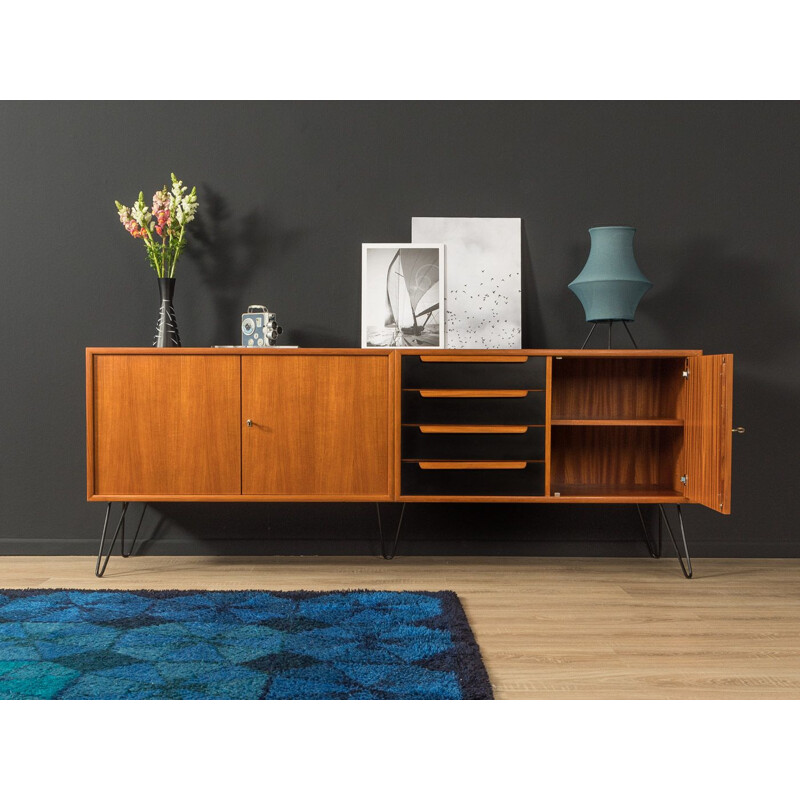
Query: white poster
point(483, 279)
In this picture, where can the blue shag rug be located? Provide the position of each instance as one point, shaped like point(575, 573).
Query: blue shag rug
point(71, 644)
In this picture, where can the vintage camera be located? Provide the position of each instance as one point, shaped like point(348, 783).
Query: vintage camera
point(259, 328)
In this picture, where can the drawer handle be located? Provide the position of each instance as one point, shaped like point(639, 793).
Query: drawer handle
point(473, 428)
point(475, 359)
point(473, 464)
point(473, 392)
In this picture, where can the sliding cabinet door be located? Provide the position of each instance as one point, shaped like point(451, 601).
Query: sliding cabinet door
point(319, 426)
point(164, 425)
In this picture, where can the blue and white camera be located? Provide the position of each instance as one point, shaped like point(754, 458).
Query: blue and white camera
point(259, 327)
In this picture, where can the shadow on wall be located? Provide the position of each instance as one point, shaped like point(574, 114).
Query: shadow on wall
point(532, 327)
point(229, 252)
point(443, 529)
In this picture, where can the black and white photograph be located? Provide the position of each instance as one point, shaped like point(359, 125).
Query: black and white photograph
point(402, 295)
point(483, 279)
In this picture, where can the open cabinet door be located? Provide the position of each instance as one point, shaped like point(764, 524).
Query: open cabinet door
point(708, 431)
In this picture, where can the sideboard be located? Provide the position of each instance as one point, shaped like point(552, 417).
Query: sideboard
point(403, 426)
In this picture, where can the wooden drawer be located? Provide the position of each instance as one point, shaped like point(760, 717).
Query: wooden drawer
point(473, 442)
point(525, 479)
point(519, 407)
point(473, 372)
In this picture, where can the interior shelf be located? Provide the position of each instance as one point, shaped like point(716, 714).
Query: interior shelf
point(650, 493)
point(666, 422)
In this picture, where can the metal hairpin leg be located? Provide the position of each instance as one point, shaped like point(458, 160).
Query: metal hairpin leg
point(586, 340)
point(687, 573)
point(655, 552)
point(389, 556)
point(610, 325)
point(630, 334)
point(119, 531)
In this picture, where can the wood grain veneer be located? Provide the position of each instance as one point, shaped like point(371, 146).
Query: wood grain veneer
point(472, 464)
point(436, 429)
point(327, 424)
point(163, 426)
point(708, 431)
point(548, 419)
point(320, 425)
point(616, 456)
point(471, 392)
point(474, 359)
point(617, 388)
point(642, 423)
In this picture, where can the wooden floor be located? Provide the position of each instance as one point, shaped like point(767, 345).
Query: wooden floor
point(552, 628)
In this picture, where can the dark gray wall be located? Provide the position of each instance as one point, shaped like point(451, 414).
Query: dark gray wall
point(288, 193)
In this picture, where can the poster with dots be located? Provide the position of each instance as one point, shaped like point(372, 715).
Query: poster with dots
point(482, 277)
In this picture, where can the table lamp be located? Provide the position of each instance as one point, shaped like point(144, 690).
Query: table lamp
point(611, 284)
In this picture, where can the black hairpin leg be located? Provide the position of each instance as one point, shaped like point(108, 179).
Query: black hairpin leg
point(586, 340)
point(610, 326)
point(99, 570)
point(390, 555)
point(687, 568)
point(655, 552)
point(135, 535)
point(630, 334)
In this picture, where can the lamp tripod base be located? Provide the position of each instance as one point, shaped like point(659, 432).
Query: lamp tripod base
point(610, 325)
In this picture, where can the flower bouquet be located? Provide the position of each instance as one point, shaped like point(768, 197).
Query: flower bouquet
point(162, 228)
point(172, 211)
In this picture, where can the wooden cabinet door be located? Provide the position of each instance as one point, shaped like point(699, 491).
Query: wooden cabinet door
point(164, 425)
point(708, 431)
point(320, 426)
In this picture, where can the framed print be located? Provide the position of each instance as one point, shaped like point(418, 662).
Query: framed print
point(483, 301)
point(402, 295)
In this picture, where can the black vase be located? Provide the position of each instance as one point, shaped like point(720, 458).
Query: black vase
point(167, 327)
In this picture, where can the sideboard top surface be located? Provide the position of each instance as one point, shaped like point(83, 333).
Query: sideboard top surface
point(357, 351)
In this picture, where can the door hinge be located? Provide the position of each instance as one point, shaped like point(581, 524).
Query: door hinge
point(684, 480)
point(686, 374)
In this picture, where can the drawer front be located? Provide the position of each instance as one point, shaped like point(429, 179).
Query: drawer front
point(478, 372)
point(529, 409)
point(430, 441)
point(527, 481)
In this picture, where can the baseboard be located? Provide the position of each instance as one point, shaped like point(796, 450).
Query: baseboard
point(295, 546)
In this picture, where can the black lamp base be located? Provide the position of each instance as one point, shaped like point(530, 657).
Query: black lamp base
point(610, 324)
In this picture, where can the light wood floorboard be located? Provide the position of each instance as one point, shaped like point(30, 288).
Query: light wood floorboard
point(548, 628)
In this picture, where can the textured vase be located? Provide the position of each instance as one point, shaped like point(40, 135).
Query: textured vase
point(611, 284)
point(167, 326)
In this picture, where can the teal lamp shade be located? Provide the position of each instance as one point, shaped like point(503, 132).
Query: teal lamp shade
point(611, 284)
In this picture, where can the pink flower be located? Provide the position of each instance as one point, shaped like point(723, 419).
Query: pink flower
point(162, 221)
point(160, 201)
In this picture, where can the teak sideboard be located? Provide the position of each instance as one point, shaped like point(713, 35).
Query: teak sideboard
point(357, 425)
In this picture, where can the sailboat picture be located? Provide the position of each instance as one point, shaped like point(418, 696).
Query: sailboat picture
point(402, 295)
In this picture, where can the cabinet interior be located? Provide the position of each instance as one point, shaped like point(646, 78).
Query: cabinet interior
point(617, 388)
point(617, 426)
